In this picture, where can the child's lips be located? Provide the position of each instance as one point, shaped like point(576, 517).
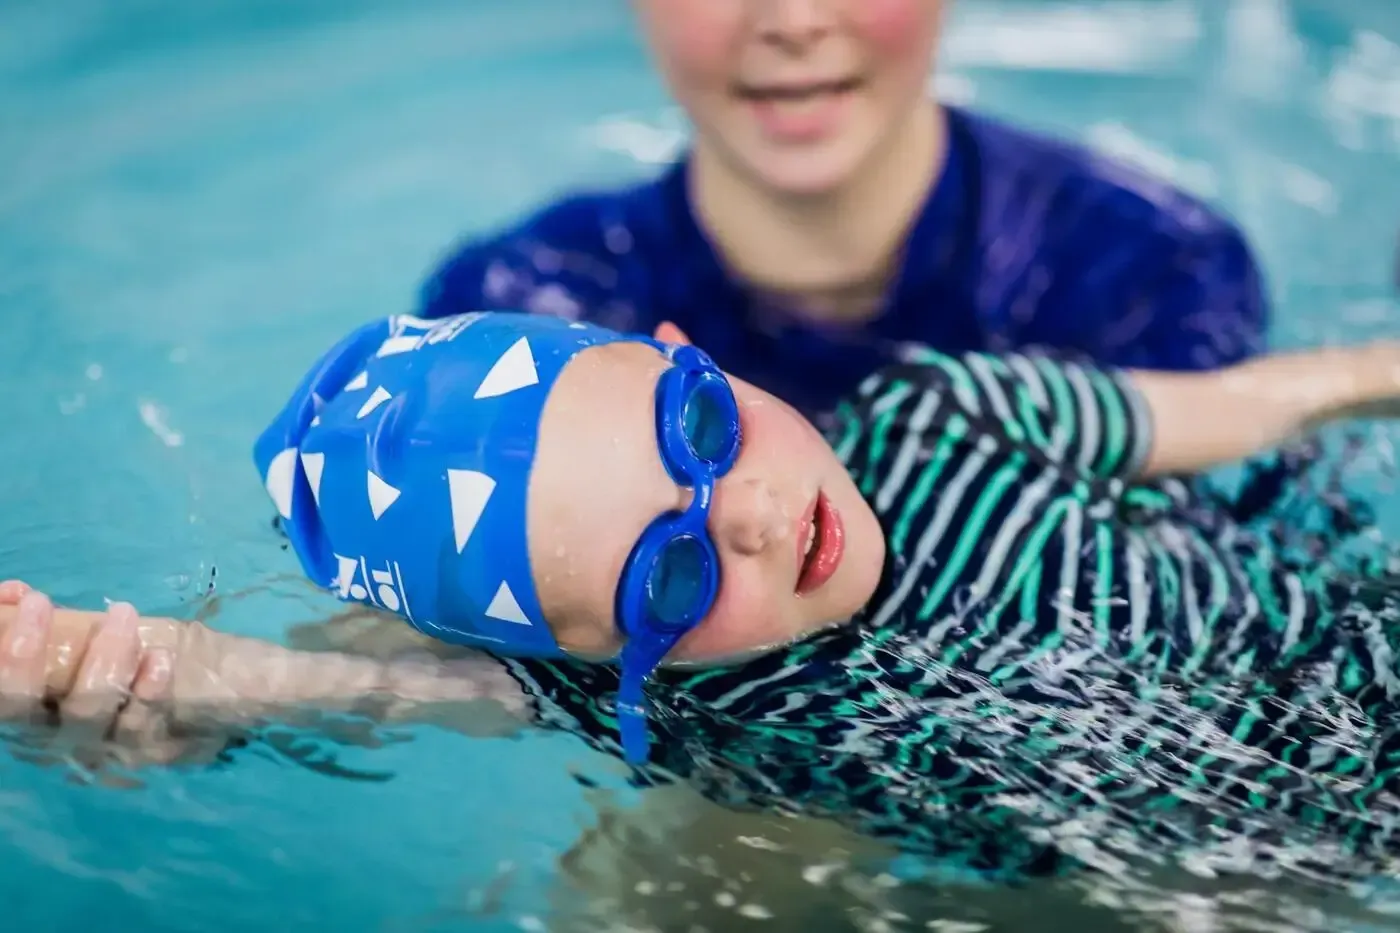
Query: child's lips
point(817, 566)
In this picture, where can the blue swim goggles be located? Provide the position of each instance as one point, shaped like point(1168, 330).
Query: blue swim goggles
point(672, 577)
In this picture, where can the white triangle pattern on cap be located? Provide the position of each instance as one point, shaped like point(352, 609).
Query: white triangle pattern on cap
point(378, 397)
point(514, 370)
point(281, 477)
point(314, 465)
point(505, 607)
point(381, 494)
point(468, 491)
point(396, 345)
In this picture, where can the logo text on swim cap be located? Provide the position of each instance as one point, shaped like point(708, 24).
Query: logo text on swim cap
point(381, 588)
point(408, 333)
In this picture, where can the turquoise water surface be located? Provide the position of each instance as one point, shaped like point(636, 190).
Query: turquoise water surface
point(196, 197)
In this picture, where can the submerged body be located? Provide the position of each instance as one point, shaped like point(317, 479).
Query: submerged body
point(1051, 644)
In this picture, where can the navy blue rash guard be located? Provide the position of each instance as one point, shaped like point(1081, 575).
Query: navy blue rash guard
point(1025, 241)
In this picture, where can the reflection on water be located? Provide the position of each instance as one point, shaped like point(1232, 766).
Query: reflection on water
point(187, 187)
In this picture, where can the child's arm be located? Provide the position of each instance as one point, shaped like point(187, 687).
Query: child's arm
point(218, 682)
point(1106, 422)
point(1201, 420)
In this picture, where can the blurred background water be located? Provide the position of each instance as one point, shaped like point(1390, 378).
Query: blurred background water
point(195, 196)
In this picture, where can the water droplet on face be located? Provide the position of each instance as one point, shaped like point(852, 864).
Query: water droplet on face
point(559, 551)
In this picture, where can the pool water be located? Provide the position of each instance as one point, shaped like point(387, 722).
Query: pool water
point(194, 198)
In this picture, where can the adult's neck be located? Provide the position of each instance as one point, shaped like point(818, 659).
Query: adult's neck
point(833, 253)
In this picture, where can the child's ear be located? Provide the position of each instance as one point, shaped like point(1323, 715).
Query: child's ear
point(667, 332)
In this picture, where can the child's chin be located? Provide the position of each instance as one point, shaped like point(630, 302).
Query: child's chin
point(591, 655)
point(731, 659)
point(706, 647)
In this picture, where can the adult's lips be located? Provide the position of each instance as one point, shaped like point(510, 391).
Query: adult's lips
point(798, 112)
point(795, 90)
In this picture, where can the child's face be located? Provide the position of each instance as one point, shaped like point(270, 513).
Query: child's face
point(598, 481)
point(795, 94)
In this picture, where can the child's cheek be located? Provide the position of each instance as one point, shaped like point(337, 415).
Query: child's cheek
point(746, 616)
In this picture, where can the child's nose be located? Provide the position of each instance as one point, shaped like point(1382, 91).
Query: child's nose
point(746, 517)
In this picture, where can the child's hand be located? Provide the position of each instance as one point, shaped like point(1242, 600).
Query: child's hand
point(1202, 420)
point(115, 707)
point(1375, 368)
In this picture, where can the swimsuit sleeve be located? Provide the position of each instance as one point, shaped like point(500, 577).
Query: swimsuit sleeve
point(1077, 414)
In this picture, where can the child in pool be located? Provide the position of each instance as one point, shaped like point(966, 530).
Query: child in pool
point(827, 210)
point(963, 616)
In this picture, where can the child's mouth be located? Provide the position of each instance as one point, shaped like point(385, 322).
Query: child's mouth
point(822, 545)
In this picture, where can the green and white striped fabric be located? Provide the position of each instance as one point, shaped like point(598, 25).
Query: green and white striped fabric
point(1053, 644)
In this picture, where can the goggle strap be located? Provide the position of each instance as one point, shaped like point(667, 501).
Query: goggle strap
point(632, 719)
point(640, 656)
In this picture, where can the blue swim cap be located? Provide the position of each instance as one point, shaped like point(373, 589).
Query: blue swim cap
point(401, 467)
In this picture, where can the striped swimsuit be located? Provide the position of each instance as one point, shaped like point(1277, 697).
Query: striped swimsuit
point(1057, 659)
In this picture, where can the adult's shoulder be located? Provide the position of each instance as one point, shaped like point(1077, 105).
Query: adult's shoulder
point(1074, 185)
point(1154, 274)
point(568, 256)
point(583, 222)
